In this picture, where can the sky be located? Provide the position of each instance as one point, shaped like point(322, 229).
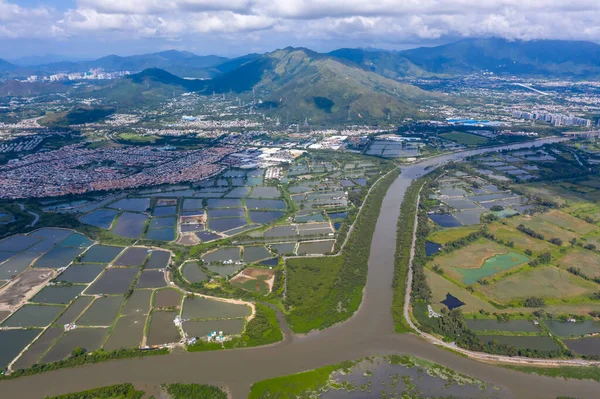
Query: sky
point(93, 28)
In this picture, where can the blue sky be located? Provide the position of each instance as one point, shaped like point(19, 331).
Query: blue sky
point(92, 28)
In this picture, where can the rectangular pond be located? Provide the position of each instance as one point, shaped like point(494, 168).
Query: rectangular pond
point(224, 203)
point(167, 234)
point(265, 192)
point(164, 211)
point(444, 219)
point(127, 333)
point(226, 213)
point(58, 257)
point(566, 329)
point(130, 225)
point(38, 348)
point(12, 342)
point(284, 248)
point(224, 254)
point(131, 204)
point(101, 254)
point(58, 295)
point(18, 243)
point(162, 329)
point(203, 308)
point(255, 253)
point(103, 311)
point(75, 310)
point(315, 247)
point(151, 279)
point(584, 346)
point(89, 339)
point(221, 225)
point(76, 240)
point(264, 217)
point(265, 204)
point(102, 218)
point(158, 259)
point(167, 298)
point(33, 316)
point(114, 281)
point(133, 256)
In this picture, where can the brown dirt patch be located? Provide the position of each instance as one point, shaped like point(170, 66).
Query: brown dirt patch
point(24, 287)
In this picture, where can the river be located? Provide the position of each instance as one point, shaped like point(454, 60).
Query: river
point(369, 332)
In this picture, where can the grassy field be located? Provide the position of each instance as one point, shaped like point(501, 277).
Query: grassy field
point(568, 222)
point(121, 391)
point(293, 386)
point(448, 235)
point(440, 287)
point(309, 282)
point(464, 138)
point(521, 241)
point(547, 229)
point(587, 261)
point(585, 209)
point(470, 257)
point(543, 282)
point(569, 373)
point(137, 138)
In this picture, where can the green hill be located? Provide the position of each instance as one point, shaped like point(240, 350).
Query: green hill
point(77, 116)
point(295, 84)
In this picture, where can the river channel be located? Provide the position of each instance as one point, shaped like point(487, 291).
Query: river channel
point(368, 333)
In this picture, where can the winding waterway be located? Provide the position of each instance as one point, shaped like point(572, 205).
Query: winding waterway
point(368, 333)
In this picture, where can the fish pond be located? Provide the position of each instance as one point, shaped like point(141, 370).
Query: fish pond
point(584, 346)
point(162, 330)
point(130, 225)
point(12, 342)
point(59, 295)
point(151, 279)
point(133, 256)
point(193, 273)
point(158, 260)
point(491, 266)
point(114, 281)
point(444, 219)
point(103, 311)
point(89, 339)
point(101, 254)
point(264, 217)
point(102, 218)
point(33, 316)
point(566, 329)
point(222, 255)
point(203, 308)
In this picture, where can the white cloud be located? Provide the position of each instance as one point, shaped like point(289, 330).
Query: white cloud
point(282, 22)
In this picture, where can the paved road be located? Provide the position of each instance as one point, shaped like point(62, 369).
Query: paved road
point(368, 333)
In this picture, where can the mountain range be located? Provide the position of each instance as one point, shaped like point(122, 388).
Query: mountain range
point(297, 83)
point(551, 58)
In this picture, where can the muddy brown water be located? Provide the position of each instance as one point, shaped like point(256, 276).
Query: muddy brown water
point(368, 333)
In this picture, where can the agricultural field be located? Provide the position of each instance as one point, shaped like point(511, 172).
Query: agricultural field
point(535, 253)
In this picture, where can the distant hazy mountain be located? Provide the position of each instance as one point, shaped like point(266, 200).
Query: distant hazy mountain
point(180, 62)
point(536, 57)
point(390, 64)
point(43, 59)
